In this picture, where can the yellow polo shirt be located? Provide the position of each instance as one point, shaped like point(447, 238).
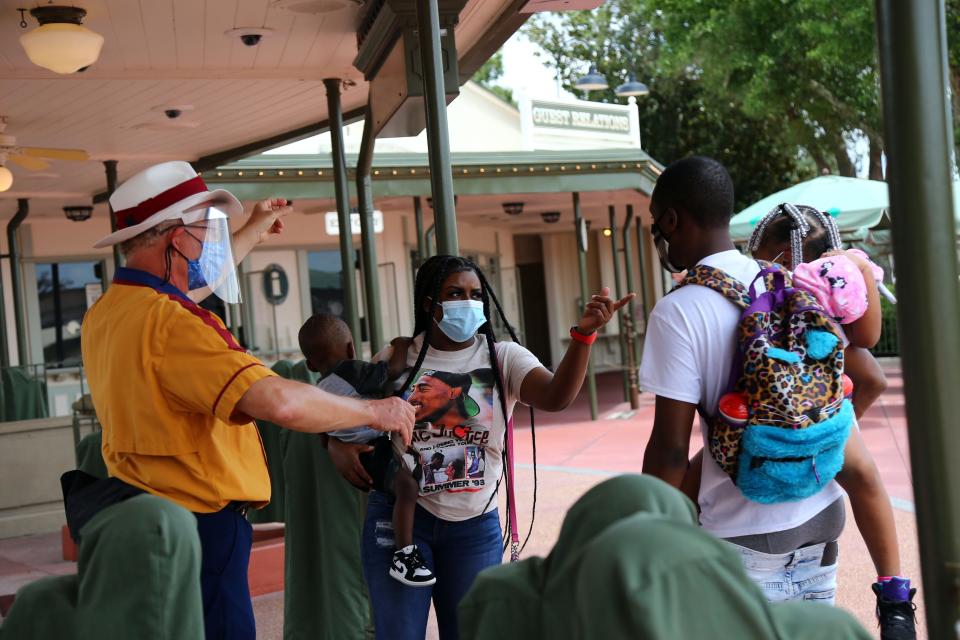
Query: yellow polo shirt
point(165, 376)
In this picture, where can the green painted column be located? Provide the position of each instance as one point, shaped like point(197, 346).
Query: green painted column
point(347, 256)
point(629, 315)
point(642, 263)
point(631, 283)
point(618, 293)
point(438, 136)
point(368, 241)
point(919, 139)
point(581, 230)
point(421, 237)
point(16, 279)
point(429, 238)
point(4, 346)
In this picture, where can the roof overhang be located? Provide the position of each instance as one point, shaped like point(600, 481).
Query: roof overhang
point(239, 100)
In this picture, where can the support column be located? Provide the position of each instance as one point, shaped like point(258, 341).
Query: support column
point(642, 262)
point(629, 315)
point(368, 241)
point(421, 238)
point(438, 136)
point(919, 138)
point(23, 210)
point(110, 167)
point(581, 230)
point(347, 255)
point(618, 293)
point(4, 347)
point(430, 241)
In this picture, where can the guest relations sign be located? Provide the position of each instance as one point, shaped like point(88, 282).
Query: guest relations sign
point(558, 115)
point(566, 124)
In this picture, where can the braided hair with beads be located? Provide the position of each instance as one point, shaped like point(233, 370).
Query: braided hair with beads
point(809, 231)
point(426, 300)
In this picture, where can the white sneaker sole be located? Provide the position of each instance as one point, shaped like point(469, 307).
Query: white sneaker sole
point(399, 577)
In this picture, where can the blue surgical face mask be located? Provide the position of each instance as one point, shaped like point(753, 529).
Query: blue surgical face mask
point(195, 275)
point(461, 319)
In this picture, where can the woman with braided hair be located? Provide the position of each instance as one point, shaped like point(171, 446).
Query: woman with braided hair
point(456, 525)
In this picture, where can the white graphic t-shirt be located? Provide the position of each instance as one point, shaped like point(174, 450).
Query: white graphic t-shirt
point(459, 434)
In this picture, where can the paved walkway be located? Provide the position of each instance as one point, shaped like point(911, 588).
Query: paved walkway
point(573, 454)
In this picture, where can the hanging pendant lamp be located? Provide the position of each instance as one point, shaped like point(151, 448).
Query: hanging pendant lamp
point(61, 43)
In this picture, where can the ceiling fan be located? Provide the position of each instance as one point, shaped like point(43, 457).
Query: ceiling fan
point(30, 158)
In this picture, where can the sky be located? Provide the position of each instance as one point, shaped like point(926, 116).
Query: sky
point(523, 72)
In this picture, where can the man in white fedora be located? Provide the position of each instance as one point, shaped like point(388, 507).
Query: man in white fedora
point(175, 392)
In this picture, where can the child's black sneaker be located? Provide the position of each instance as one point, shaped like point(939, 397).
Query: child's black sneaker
point(409, 568)
point(896, 612)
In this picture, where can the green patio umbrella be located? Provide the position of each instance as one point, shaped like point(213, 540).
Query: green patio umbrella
point(856, 203)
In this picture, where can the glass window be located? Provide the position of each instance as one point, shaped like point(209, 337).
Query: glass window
point(326, 282)
point(63, 291)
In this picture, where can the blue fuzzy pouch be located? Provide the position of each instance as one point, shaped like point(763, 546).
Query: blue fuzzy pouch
point(782, 465)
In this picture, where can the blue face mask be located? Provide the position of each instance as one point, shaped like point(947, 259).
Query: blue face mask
point(461, 319)
point(196, 279)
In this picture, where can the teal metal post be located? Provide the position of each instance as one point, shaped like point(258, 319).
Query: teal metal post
point(618, 293)
point(13, 250)
point(642, 261)
point(438, 136)
point(110, 168)
point(421, 238)
point(580, 227)
point(918, 137)
point(429, 238)
point(4, 347)
point(368, 241)
point(347, 256)
point(631, 283)
point(629, 315)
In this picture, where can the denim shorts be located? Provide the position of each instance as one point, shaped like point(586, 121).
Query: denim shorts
point(809, 573)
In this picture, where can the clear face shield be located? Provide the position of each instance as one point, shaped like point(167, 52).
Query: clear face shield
point(215, 268)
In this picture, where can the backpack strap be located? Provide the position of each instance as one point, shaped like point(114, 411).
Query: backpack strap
point(719, 281)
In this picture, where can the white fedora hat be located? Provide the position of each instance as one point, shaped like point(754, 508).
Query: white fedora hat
point(160, 193)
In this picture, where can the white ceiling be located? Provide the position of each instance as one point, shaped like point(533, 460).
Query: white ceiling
point(173, 53)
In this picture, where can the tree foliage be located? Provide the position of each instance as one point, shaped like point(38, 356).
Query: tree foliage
point(683, 115)
point(488, 74)
point(813, 62)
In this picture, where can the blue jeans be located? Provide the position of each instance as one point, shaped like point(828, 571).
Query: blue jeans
point(225, 541)
point(455, 551)
point(792, 576)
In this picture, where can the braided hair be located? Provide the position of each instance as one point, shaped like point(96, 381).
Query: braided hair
point(810, 232)
point(426, 299)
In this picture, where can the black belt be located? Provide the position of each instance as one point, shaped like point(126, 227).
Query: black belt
point(239, 507)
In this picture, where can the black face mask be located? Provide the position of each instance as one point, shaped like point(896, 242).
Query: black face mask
point(663, 250)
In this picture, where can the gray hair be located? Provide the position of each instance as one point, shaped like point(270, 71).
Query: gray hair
point(147, 238)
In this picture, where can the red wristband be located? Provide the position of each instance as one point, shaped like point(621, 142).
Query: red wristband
point(582, 339)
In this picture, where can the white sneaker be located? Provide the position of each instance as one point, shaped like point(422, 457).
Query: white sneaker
point(409, 568)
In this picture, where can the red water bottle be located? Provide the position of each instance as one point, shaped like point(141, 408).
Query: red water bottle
point(847, 387)
point(733, 409)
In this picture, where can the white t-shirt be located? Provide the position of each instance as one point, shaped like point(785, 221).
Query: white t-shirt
point(460, 429)
point(689, 348)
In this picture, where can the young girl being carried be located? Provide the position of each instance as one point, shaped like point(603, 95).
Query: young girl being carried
point(845, 283)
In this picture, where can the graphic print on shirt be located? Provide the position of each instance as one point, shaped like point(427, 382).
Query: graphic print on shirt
point(454, 413)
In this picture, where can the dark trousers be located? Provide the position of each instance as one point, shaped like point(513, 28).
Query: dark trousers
point(225, 540)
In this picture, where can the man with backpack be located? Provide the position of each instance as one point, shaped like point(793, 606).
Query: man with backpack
point(788, 543)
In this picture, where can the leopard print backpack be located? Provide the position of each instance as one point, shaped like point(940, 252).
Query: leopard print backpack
point(789, 372)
